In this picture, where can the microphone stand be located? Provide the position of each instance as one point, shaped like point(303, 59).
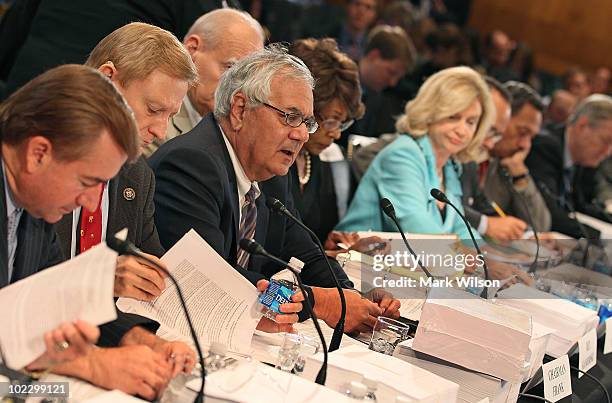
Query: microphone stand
point(278, 207)
point(254, 248)
point(127, 248)
point(389, 210)
point(440, 196)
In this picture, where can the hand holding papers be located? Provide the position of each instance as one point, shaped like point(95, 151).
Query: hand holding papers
point(81, 288)
point(222, 303)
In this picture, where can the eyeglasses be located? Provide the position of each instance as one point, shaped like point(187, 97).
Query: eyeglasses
point(334, 124)
point(296, 119)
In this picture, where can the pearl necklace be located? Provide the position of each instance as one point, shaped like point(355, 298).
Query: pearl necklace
point(304, 180)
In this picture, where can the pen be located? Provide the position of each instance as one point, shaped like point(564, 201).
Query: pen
point(498, 209)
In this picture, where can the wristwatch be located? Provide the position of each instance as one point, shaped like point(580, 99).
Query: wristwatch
point(519, 177)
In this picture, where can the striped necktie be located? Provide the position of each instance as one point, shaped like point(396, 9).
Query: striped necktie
point(247, 225)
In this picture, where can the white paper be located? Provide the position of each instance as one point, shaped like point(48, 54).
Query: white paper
point(222, 303)
point(259, 383)
point(80, 288)
point(587, 351)
point(608, 340)
point(557, 381)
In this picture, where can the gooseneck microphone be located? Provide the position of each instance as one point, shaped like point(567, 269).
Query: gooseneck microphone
point(389, 210)
point(128, 248)
point(254, 248)
point(278, 207)
point(534, 265)
point(569, 206)
point(440, 196)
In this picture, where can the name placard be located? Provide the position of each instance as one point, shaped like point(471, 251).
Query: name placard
point(557, 381)
point(587, 351)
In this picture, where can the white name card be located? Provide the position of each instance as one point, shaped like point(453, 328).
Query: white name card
point(587, 351)
point(557, 381)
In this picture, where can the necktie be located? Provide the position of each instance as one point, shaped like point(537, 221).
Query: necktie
point(247, 225)
point(91, 226)
point(11, 227)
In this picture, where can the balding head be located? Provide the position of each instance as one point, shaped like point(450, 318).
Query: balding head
point(216, 41)
point(562, 105)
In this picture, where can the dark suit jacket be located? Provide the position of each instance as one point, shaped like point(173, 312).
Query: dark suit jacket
point(136, 214)
point(475, 202)
point(197, 188)
point(37, 244)
point(317, 204)
point(35, 33)
point(546, 165)
point(38, 247)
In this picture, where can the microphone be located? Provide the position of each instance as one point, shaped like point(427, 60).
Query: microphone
point(568, 206)
point(128, 248)
point(534, 265)
point(389, 210)
point(440, 196)
point(254, 248)
point(278, 207)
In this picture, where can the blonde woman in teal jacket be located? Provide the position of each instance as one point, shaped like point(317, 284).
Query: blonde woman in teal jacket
point(441, 128)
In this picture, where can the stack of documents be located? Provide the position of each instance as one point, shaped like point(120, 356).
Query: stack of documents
point(568, 320)
point(474, 387)
point(395, 377)
point(474, 333)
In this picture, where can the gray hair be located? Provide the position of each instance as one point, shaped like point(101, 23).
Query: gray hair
point(213, 26)
point(597, 108)
point(253, 76)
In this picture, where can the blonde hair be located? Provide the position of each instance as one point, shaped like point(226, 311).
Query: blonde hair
point(444, 94)
point(137, 49)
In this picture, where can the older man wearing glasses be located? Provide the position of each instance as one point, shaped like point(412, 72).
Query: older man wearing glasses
point(216, 178)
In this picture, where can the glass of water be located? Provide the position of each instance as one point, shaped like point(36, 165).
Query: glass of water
point(387, 334)
point(294, 349)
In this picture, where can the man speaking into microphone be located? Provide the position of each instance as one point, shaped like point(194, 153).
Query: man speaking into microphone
point(216, 178)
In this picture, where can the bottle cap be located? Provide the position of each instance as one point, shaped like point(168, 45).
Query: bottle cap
point(296, 264)
point(358, 389)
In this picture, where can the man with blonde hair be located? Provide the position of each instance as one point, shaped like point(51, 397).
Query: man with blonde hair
point(152, 71)
point(215, 42)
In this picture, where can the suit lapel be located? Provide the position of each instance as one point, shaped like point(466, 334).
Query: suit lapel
point(120, 187)
point(64, 232)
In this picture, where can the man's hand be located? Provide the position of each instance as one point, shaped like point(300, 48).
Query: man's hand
point(336, 237)
point(137, 370)
point(361, 313)
point(134, 278)
point(385, 300)
point(284, 322)
point(179, 355)
point(66, 343)
point(505, 228)
point(515, 164)
point(504, 271)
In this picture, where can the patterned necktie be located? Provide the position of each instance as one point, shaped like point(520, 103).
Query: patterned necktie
point(247, 225)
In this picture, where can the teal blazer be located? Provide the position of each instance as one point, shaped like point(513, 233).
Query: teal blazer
point(405, 172)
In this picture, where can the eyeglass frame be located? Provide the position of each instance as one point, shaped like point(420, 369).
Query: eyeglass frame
point(341, 125)
point(287, 115)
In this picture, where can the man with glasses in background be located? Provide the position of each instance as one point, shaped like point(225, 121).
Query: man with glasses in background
point(216, 178)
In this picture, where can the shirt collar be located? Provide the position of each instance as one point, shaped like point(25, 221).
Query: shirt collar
point(11, 206)
point(244, 184)
point(192, 113)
